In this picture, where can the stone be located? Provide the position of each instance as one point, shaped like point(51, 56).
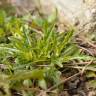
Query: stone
point(78, 13)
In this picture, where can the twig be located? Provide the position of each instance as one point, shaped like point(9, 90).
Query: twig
point(63, 81)
point(91, 44)
point(87, 41)
point(42, 93)
point(86, 66)
point(86, 50)
point(81, 63)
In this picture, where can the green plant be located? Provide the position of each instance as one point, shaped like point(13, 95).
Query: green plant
point(34, 53)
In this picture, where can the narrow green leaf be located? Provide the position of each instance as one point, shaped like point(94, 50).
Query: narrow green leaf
point(66, 40)
point(34, 74)
point(42, 84)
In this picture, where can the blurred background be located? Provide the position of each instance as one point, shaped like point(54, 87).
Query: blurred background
point(78, 13)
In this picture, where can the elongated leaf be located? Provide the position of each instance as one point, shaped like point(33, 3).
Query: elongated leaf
point(35, 74)
point(67, 38)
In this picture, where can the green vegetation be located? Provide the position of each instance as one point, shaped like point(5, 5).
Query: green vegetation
point(32, 54)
